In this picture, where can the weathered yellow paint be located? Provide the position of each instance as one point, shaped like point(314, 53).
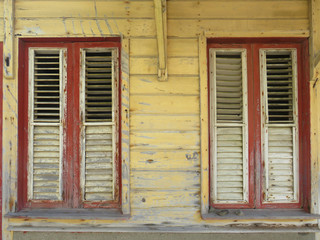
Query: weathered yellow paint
point(190, 28)
point(8, 48)
point(164, 140)
point(315, 105)
point(160, 12)
point(152, 160)
point(162, 104)
point(238, 9)
point(176, 47)
point(204, 132)
point(165, 117)
point(165, 122)
point(165, 198)
point(162, 180)
point(125, 127)
point(84, 9)
point(176, 85)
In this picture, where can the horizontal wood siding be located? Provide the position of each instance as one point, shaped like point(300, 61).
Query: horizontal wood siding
point(164, 116)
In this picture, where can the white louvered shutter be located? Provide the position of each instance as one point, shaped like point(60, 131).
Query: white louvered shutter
point(229, 181)
point(280, 125)
point(98, 101)
point(46, 83)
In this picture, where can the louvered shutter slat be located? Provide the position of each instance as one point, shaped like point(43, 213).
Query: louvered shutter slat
point(98, 163)
point(280, 127)
point(46, 163)
point(229, 163)
point(46, 65)
point(98, 153)
point(45, 124)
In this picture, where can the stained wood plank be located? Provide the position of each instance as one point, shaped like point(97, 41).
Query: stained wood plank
point(164, 199)
point(176, 65)
point(165, 180)
point(164, 104)
point(183, 65)
point(84, 27)
point(238, 10)
point(164, 122)
point(191, 28)
point(144, 65)
point(144, 84)
point(168, 159)
point(164, 140)
point(178, 215)
point(74, 9)
point(176, 47)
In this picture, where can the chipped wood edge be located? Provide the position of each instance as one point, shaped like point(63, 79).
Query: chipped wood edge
point(204, 131)
point(8, 48)
point(125, 138)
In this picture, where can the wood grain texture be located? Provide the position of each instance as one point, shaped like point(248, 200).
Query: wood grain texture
point(165, 199)
point(176, 47)
point(204, 124)
point(85, 9)
point(164, 104)
point(141, 122)
point(125, 127)
point(238, 10)
point(164, 140)
point(164, 180)
point(190, 28)
point(176, 85)
point(181, 159)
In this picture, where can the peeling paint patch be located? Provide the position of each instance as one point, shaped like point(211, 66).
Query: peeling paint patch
point(91, 29)
point(147, 137)
point(107, 23)
point(65, 26)
point(74, 28)
point(32, 31)
point(145, 80)
point(82, 26)
point(9, 91)
point(149, 152)
point(143, 103)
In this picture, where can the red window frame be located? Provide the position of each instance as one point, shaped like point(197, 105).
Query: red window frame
point(71, 151)
point(254, 118)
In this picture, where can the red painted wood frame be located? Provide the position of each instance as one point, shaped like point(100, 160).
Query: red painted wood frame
point(71, 151)
point(254, 118)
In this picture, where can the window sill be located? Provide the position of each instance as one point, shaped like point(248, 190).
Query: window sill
point(293, 214)
point(86, 214)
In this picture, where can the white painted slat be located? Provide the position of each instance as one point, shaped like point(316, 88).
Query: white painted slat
point(46, 163)
point(229, 126)
point(98, 163)
point(283, 167)
point(280, 132)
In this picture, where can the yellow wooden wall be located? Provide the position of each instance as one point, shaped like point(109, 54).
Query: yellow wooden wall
point(165, 116)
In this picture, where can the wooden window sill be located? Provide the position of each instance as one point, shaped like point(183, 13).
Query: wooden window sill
point(293, 214)
point(87, 214)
